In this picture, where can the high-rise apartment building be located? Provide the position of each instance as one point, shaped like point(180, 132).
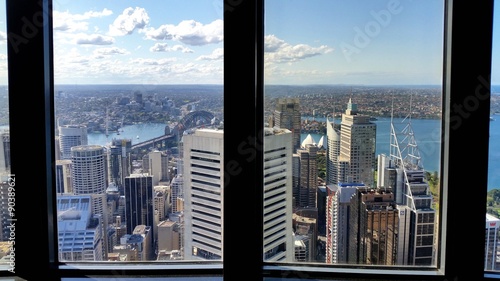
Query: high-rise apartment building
point(287, 115)
point(88, 175)
point(332, 226)
point(203, 157)
point(70, 136)
point(278, 239)
point(357, 147)
point(338, 221)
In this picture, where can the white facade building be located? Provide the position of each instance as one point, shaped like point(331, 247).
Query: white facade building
point(203, 156)
point(88, 176)
point(69, 136)
point(278, 228)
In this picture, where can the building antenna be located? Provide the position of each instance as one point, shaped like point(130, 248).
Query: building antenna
point(408, 116)
point(334, 107)
point(392, 107)
point(107, 122)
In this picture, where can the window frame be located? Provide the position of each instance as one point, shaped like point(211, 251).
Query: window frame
point(466, 84)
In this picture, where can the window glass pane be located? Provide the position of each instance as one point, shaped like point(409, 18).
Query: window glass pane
point(353, 96)
point(492, 253)
point(7, 184)
point(138, 103)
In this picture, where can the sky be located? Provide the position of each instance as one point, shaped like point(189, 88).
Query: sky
point(371, 42)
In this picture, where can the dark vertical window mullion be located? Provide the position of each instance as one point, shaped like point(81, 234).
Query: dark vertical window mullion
point(31, 128)
point(243, 125)
point(466, 125)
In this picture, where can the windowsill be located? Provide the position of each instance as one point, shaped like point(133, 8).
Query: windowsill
point(144, 266)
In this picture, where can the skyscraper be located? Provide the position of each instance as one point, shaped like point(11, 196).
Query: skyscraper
point(307, 171)
point(119, 161)
point(139, 198)
point(287, 115)
point(278, 239)
point(203, 157)
point(152, 164)
point(403, 174)
point(338, 221)
point(357, 147)
point(69, 136)
point(374, 226)
point(88, 176)
point(333, 152)
point(177, 193)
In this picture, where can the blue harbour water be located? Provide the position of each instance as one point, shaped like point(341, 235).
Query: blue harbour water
point(427, 135)
point(426, 131)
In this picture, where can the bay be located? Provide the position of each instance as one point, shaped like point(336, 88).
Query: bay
point(427, 136)
point(137, 133)
point(426, 131)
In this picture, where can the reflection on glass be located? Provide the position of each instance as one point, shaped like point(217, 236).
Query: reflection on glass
point(352, 140)
point(138, 103)
point(492, 254)
point(7, 180)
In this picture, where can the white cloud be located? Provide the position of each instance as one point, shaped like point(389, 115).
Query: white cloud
point(181, 49)
point(153, 62)
point(217, 54)
point(189, 32)
point(163, 47)
point(110, 51)
point(130, 20)
point(65, 21)
point(94, 39)
point(71, 57)
point(278, 51)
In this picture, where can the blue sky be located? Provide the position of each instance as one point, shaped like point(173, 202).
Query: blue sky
point(307, 42)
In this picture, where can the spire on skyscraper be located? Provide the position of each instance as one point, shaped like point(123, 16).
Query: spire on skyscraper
point(352, 108)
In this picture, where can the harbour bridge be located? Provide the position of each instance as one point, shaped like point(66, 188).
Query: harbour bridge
point(194, 119)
